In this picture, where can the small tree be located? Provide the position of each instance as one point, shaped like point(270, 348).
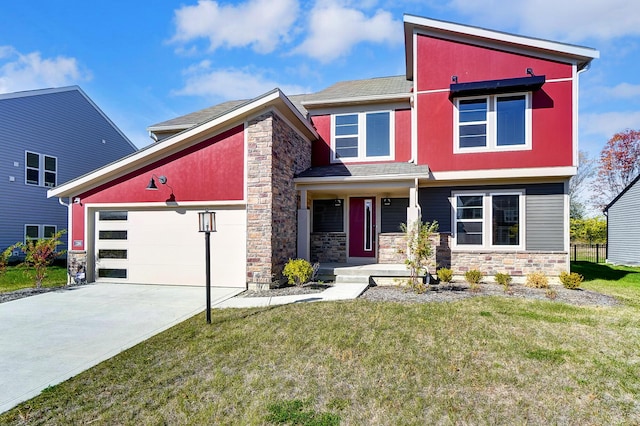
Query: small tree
point(419, 248)
point(618, 165)
point(40, 253)
point(4, 258)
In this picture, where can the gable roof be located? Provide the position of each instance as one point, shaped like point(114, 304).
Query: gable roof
point(569, 53)
point(66, 89)
point(361, 91)
point(274, 99)
point(624, 191)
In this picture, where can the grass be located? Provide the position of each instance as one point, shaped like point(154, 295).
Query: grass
point(18, 277)
point(484, 360)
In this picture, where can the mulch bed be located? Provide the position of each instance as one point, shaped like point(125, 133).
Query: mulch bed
point(449, 293)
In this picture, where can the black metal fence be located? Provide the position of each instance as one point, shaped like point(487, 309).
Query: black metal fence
point(596, 253)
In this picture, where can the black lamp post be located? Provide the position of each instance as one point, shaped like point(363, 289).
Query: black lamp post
point(207, 224)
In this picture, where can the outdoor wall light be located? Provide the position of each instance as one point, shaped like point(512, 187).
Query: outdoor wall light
point(152, 183)
point(337, 202)
point(530, 72)
point(386, 201)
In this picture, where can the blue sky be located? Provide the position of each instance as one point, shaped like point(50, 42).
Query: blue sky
point(147, 61)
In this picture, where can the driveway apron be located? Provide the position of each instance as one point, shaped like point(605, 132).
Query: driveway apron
point(48, 338)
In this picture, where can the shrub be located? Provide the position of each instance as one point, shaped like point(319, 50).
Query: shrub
point(504, 280)
point(537, 280)
point(571, 280)
point(445, 275)
point(40, 253)
point(4, 258)
point(473, 277)
point(419, 250)
point(551, 293)
point(298, 271)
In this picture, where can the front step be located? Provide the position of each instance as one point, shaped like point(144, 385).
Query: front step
point(352, 279)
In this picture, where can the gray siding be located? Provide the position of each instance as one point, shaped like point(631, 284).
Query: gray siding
point(623, 239)
point(544, 211)
point(393, 215)
point(60, 123)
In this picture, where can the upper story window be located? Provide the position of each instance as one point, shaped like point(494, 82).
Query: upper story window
point(363, 136)
point(492, 123)
point(40, 169)
point(488, 220)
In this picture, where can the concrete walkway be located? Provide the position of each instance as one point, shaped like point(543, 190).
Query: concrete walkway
point(337, 292)
point(48, 338)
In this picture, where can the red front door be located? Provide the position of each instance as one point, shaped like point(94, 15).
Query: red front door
point(362, 227)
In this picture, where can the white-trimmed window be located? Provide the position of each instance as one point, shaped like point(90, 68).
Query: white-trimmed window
point(40, 169)
point(362, 136)
point(492, 123)
point(36, 232)
point(488, 220)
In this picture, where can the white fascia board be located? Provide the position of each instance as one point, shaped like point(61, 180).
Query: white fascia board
point(449, 30)
point(357, 100)
point(538, 172)
point(160, 205)
point(174, 144)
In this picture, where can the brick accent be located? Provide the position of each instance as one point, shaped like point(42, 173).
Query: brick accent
point(329, 247)
point(275, 154)
point(514, 263)
point(392, 247)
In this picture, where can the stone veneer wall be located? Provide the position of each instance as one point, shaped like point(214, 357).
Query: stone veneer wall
point(76, 261)
point(392, 247)
point(328, 247)
point(514, 263)
point(275, 153)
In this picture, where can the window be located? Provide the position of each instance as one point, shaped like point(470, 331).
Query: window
point(40, 170)
point(492, 123)
point(328, 215)
point(112, 215)
point(35, 232)
point(488, 220)
point(112, 235)
point(363, 136)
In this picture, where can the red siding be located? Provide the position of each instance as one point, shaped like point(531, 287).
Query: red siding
point(321, 149)
point(212, 170)
point(438, 60)
point(403, 135)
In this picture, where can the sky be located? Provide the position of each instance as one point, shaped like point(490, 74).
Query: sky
point(147, 61)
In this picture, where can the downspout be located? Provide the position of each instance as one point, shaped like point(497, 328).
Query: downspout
point(69, 241)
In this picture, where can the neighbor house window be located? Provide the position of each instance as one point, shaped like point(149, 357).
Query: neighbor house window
point(36, 232)
point(488, 220)
point(40, 169)
point(492, 123)
point(328, 215)
point(363, 136)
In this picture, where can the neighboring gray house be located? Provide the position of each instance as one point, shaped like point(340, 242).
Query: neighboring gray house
point(623, 232)
point(48, 137)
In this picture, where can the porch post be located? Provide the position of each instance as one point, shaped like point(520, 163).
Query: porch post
point(304, 228)
point(413, 211)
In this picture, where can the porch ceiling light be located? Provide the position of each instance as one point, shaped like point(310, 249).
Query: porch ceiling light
point(152, 183)
point(386, 201)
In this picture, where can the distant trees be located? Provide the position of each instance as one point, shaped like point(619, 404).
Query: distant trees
point(579, 184)
point(592, 230)
point(618, 166)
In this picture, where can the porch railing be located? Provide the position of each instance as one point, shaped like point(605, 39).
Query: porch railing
point(596, 253)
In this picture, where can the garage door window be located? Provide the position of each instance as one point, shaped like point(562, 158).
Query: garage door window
point(112, 273)
point(112, 215)
point(112, 235)
point(112, 254)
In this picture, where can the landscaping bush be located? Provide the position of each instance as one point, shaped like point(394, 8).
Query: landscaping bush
point(504, 280)
point(537, 280)
point(41, 253)
point(473, 277)
point(298, 271)
point(4, 259)
point(572, 280)
point(445, 275)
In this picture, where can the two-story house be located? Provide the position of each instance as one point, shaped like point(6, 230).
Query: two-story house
point(480, 134)
point(47, 137)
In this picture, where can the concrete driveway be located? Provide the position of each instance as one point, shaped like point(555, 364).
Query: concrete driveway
point(48, 338)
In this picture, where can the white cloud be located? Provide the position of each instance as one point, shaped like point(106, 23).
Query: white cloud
point(30, 71)
point(622, 91)
point(608, 123)
point(230, 83)
point(335, 29)
point(568, 20)
point(261, 24)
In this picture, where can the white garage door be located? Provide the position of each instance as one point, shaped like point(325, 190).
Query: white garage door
point(165, 247)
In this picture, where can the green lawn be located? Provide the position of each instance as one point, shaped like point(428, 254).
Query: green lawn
point(484, 360)
point(17, 277)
